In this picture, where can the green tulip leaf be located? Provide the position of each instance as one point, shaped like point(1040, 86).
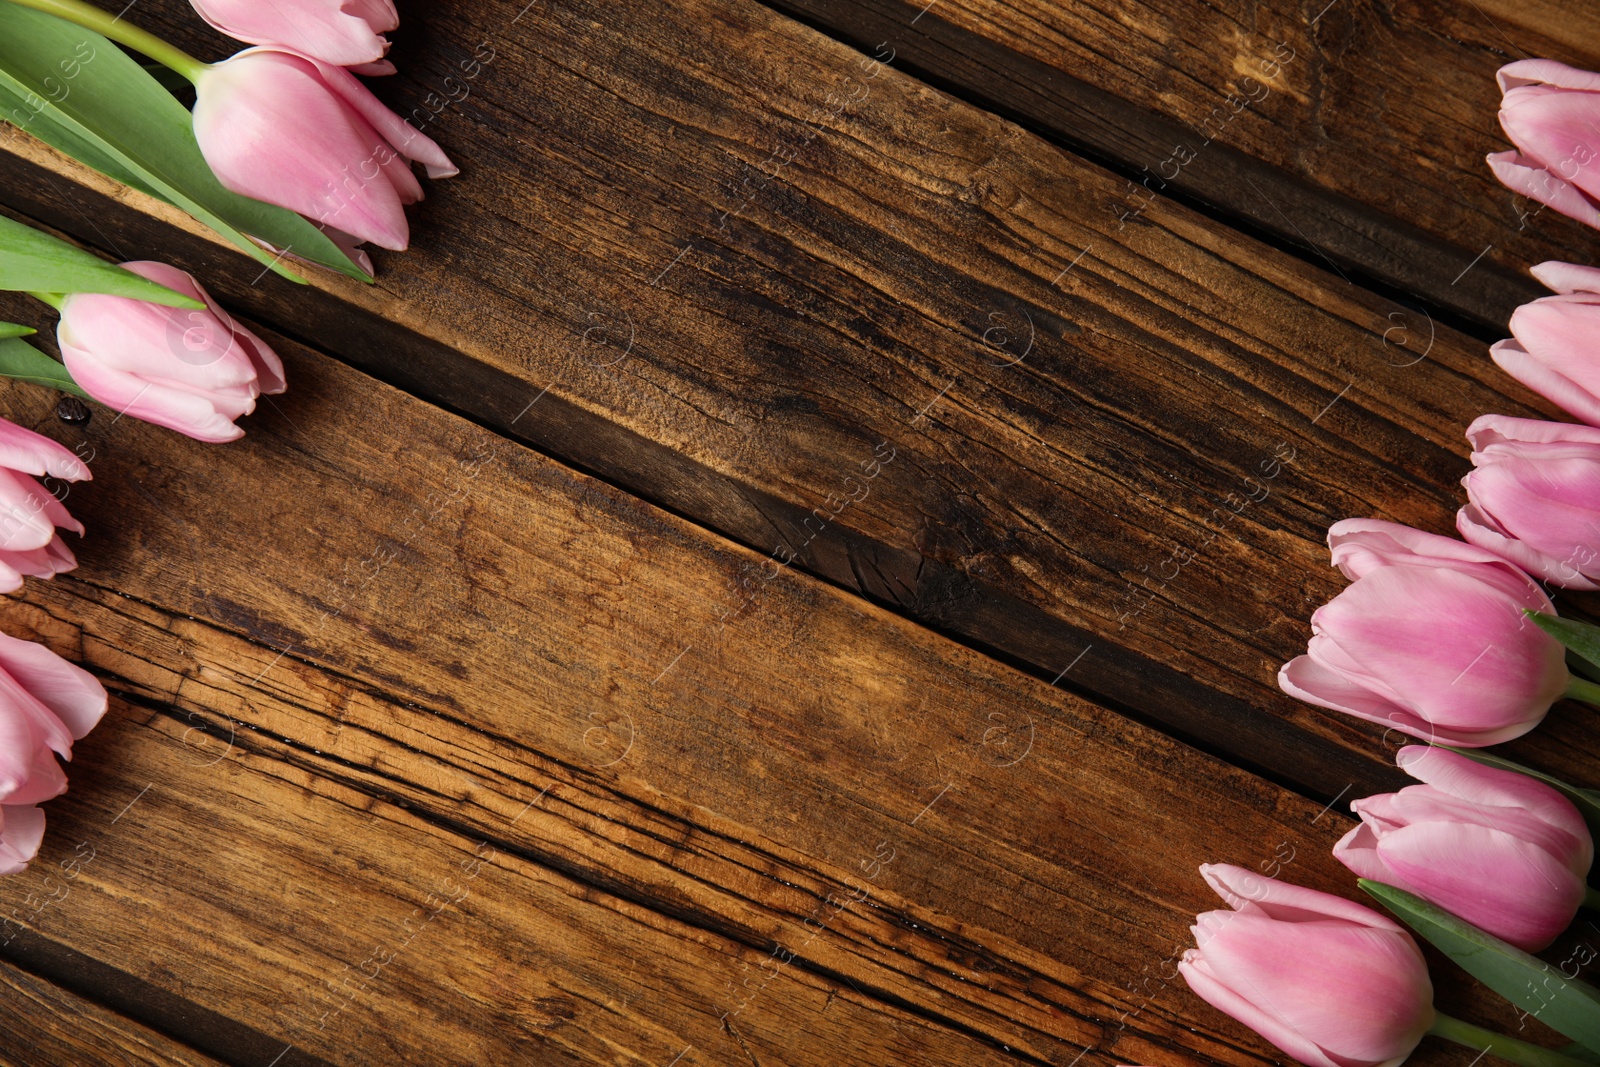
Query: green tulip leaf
point(25, 363)
point(1565, 1005)
point(1581, 637)
point(85, 150)
point(1587, 801)
point(31, 261)
point(73, 89)
point(11, 329)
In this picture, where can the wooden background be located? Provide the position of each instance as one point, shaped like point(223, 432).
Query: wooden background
point(791, 567)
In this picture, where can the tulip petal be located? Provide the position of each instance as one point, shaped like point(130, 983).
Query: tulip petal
point(32, 453)
point(1553, 352)
point(70, 692)
point(1549, 505)
point(21, 834)
point(1567, 277)
point(1477, 528)
point(1498, 883)
point(406, 138)
point(1557, 128)
point(336, 31)
point(47, 562)
point(1361, 546)
point(29, 515)
point(19, 741)
point(1357, 850)
point(1263, 1021)
point(1533, 372)
point(1527, 177)
point(1389, 812)
point(159, 404)
point(267, 368)
point(1546, 72)
point(1464, 777)
point(379, 14)
point(1285, 902)
point(45, 780)
point(1532, 437)
point(1305, 679)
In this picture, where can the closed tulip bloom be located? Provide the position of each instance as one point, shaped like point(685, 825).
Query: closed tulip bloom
point(1329, 982)
point(1506, 853)
point(1429, 639)
point(345, 33)
point(1553, 350)
point(1534, 497)
point(1550, 112)
point(29, 514)
point(188, 370)
point(46, 704)
point(308, 136)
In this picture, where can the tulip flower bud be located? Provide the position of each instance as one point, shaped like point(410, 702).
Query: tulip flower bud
point(345, 33)
point(46, 704)
point(1549, 111)
point(308, 136)
point(29, 515)
point(1430, 639)
point(1534, 497)
point(1329, 982)
point(190, 371)
point(1553, 352)
point(1498, 849)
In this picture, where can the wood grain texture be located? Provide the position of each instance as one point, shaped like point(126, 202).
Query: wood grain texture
point(1354, 131)
point(1082, 418)
point(45, 1024)
point(344, 662)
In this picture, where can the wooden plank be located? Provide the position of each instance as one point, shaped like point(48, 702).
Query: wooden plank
point(1353, 132)
point(45, 1024)
point(370, 637)
point(1091, 502)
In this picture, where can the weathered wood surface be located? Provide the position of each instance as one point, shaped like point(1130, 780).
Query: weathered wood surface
point(45, 1024)
point(1084, 418)
point(373, 643)
point(1353, 131)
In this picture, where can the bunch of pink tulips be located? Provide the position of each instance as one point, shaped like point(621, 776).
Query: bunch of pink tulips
point(1437, 638)
point(284, 122)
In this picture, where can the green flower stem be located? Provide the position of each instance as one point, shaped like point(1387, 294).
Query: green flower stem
point(1507, 1048)
point(1591, 898)
point(1583, 689)
point(53, 299)
point(103, 22)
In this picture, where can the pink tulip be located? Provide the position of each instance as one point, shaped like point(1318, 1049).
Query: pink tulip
point(1550, 112)
point(29, 515)
point(191, 371)
point(1329, 982)
point(345, 33)
point(1553, 351)
point(46, 704)
point(1534, 497)
point(310, 137)
point(1502, 851)
point(1430, 639)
